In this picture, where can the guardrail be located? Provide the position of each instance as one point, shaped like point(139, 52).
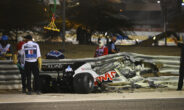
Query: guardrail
point(10, 76)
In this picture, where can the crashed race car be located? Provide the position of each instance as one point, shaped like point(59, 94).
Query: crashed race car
point(82, 76)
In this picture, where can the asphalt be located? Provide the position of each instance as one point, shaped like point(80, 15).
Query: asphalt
point(165, 100)
point(70, 97)
point(133, 104)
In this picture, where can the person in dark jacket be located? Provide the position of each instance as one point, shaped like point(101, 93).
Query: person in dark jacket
point(112, 47)
point(181, 70)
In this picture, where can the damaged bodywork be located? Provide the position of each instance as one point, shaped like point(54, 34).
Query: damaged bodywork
point(84, 75)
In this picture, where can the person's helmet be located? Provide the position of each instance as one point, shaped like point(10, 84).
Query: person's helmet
point(4, 38)
point(101, 43)
point(19, 39)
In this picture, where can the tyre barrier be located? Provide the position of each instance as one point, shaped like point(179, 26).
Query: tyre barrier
point(10, 77)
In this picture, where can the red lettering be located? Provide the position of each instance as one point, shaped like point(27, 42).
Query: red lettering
point(99, 78)
point(106, 76)
point(113, 73)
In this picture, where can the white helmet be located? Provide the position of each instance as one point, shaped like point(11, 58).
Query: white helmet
point(19, 39)
point(101, 44)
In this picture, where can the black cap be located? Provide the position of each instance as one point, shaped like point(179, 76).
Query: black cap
point(29, 37)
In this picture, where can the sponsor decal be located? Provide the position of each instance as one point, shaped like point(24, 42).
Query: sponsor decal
point(107, 76)
point(53, 66)
point(68, 69)
point(31, 53)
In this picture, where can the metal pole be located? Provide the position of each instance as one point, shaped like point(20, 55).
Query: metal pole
point(165, 24)
point(164, 11)
point(63, 29)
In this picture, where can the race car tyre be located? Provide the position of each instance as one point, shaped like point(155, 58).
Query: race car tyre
point(83, 83)
point(44, 82)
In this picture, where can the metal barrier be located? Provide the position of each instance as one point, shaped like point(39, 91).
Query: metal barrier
point(10, 76)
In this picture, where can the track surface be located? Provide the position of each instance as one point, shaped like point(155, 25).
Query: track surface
point(132, 104)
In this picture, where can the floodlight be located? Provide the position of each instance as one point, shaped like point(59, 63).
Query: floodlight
point(182, 4)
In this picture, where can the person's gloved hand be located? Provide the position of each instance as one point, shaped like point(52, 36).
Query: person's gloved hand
point(40, 63)
point(15, 61)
